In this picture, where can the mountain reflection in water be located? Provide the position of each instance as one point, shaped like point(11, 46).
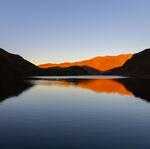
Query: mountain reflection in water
point(12, 88)
point(97, 85)
point(122, 86)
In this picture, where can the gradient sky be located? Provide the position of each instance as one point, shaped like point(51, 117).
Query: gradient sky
point(67, 30)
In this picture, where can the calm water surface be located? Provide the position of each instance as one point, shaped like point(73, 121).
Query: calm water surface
point(75, 113)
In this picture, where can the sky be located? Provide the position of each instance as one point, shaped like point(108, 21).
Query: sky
point(45, 31)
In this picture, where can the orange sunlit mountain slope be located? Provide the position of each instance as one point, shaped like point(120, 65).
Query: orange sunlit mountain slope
point(101, 63)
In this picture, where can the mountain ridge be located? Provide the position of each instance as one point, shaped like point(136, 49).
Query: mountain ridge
point(101, 63)
point(13, 67)
point(136, 65)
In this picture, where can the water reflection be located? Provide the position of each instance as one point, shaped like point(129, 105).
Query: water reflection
point(97, 85)
point(139, 87)
point(10, 89)
point(75, 113)
point(121, 86)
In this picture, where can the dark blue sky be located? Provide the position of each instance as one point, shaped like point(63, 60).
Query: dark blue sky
point(67, 30)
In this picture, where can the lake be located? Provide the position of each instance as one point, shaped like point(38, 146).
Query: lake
point(75, 113)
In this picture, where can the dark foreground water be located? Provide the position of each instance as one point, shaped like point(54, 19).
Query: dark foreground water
point(75, 113)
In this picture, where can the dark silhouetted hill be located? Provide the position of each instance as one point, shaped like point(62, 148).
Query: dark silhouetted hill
point(138, 65)
point(14, 66)
point(72, 70)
